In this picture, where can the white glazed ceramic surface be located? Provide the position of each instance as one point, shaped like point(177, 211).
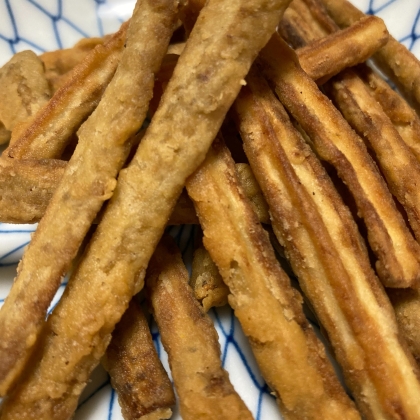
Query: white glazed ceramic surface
point(43, 25)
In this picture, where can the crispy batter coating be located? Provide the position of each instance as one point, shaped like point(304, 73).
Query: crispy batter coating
point(329, 257)
point(89, 180)
point(206, 281)
point(394, 59)
point(191, 341)
point(291, 359)
point(54, 124)
point(213, 64)
point(59, 62)
point(327, 56)
point(4, 134)
point(398, 164)
point(143, 386)
point(398, 261)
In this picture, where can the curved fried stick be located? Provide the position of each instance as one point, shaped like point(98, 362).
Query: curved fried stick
point(394, 59)
point(328, 255)
point(89, 180)
point(205, 82)
point(190, 339)
point(143, 386)
point(397, 251)
point(290, 357)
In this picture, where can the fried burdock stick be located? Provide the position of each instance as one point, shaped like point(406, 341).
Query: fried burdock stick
point(291, 359)
point(190, 339)
point(205, 82)
point(89, 180)
point(206, 281)
point(329, 257)
point(23, 89)
point(398, 164)
point(394, 59)
point(143, 386)
point(398, 253)
point(327, 56)
point(58, 120)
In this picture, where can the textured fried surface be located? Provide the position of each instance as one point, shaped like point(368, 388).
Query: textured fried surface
point(23, 89)
point(327, 56)
point(88, 181)
point(213, 64)
point(398, 164)
point(143, 386)
point(191, 341)
point(335, 142)
point(206, 281)
point(292, 360)
point(50, 130)
point(330, 259)
point(394, 59)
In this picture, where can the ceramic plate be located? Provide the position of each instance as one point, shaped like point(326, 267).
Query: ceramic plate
point(43, 25)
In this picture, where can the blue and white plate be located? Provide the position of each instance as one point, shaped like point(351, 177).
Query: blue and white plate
point(43, 25)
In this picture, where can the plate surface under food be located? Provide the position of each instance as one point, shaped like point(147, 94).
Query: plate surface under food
point(43, 25)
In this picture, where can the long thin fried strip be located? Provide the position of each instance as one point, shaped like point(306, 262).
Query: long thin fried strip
point(49, 132)
point(394, 59)
point(27, 186)
point(190, 339)
point(291, 359)
point(397, 251)
point(143, 386)
point(399, 166)
point(329, 257)
point(327, 56)
point(205, 82)
point(23, 89)
point(206, 281)
point(89, 180)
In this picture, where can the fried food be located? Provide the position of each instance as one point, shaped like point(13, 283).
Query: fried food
point(398, 164)
point(329, 257)
point(112, 268)
point(143, 386)
point(52, 127)
point(190, 339)
point(89, 180)
point(291, 359)
point(327, 56)
point(206, 281)
point(23, 89)
point(4, 134)
point(398, 253)
point(58, 63)
point(394, 59)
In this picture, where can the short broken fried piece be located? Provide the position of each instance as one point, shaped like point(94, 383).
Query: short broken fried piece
point(397, 252)
point(190, 339)
point(329, 257)
point(143, 386)
point(291, 358)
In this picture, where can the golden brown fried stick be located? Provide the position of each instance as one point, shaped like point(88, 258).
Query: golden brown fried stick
point(89, 180)
point(59, 62)
point(143, 386)
point(190, 339)
point(326, 57)
point(50, 130)
point(398, 254)
point(329, 257)
point(206, 281)
point(398, 164)
point(205, 82)
point(394, 59)
point(23, 89)
point(291, 359)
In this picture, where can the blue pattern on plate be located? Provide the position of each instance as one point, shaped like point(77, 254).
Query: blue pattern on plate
point(59, 24)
